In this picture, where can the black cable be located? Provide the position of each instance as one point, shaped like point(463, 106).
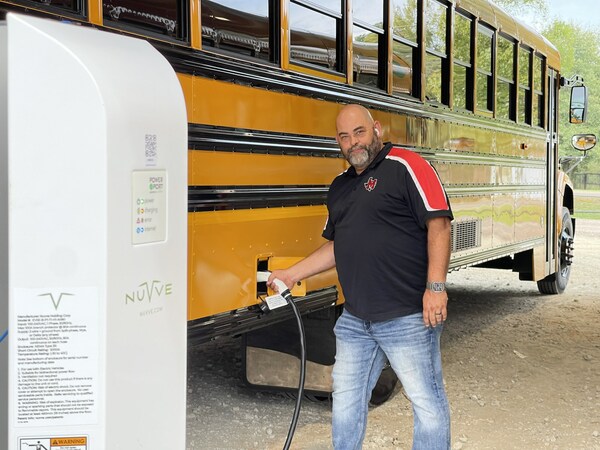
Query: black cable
point(288, 297)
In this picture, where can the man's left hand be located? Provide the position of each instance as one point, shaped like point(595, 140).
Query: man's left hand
point(435, 306)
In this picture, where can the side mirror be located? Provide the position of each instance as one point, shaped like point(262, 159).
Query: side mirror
point(584, 142)
point(578, 105)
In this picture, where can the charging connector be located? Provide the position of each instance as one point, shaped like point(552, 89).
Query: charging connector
point(277, 300)
point(274, 302)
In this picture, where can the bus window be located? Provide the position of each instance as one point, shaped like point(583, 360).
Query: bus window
point(435, 45)
point(404, 19)
point(368, 12)
point(238, 27)
point(367, 40)
point(484, 69)
point(404, 46)
point(71, 6)
point(462, 62)
point(402, 68)
point(524, 102)
point(506, 79)
point(314, 34)
point(365, 45)
point(538, 91)
point(159, 16)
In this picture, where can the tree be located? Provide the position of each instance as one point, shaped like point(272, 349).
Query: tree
point(518, 7)
point(580, 54)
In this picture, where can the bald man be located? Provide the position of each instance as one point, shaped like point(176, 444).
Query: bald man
point(388, 235)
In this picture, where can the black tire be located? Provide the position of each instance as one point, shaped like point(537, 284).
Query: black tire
point(556, 283)
point(385, 386)
point(383, 390)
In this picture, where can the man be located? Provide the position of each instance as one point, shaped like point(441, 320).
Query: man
point(388, 234)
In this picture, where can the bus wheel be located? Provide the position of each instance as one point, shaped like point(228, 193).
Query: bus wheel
point(385, 386)
point(557, 282)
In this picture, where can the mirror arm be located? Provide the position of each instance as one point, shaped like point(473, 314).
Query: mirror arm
point(575, 160)
point(575, 80)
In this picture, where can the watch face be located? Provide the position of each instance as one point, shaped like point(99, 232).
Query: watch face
point(437, 286)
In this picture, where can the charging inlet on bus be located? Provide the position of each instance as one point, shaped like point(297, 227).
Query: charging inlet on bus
point(270, 264)
point(277, 300)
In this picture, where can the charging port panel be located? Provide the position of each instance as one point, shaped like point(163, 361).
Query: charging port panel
point(274, 263)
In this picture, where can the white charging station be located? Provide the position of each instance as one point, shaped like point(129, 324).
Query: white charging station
point(93, 218)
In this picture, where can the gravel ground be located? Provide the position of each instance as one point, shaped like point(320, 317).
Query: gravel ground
point(522, 372)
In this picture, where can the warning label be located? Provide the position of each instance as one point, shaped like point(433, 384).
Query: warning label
point(68, 442)
point(54, 443)
point(56, 350)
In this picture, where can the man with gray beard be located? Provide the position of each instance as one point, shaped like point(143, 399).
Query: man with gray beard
point(388, 233)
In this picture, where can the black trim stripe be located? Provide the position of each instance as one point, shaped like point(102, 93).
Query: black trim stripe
point(247, 319)
point(201, 137)
point(218, 198)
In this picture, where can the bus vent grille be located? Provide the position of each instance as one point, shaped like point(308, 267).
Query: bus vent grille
point(466, 235)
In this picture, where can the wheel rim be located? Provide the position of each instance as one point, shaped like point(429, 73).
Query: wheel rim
point(566, 251)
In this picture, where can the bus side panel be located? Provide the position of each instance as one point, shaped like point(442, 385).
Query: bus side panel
point(213, 168)
point(529, 213)
point(225, 247)
point(230, 105)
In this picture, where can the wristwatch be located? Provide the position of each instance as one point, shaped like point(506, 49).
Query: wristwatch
point(436, 286)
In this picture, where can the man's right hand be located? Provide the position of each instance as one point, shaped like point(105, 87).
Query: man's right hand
point(282, 275)
point(320, 260)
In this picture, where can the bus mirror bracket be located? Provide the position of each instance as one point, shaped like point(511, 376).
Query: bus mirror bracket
point(575, 80)
point(581, 142)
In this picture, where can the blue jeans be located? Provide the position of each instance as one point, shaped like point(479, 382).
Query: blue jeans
point(413, 351)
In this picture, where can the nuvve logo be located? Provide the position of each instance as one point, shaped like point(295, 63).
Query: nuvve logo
point(149, 291)
point(55, 300)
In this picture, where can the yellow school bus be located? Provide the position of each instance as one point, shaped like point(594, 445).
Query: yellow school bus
point(459, 81)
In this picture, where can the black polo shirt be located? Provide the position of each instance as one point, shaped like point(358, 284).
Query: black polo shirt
point(377, 221)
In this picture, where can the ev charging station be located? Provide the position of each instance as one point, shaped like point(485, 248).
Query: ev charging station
point(93, 234)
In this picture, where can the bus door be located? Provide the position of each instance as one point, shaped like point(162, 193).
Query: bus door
point(552, 161)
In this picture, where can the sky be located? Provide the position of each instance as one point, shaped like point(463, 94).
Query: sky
point(585, 13)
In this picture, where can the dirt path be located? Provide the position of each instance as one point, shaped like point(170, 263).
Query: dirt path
point(522, 372)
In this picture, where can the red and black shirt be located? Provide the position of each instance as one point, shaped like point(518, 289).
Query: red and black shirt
point(378, 222)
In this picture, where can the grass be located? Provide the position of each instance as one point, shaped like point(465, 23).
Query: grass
point(587, 205)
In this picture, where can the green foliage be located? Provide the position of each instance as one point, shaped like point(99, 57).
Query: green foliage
point(580, 54)
point(587, 207)
point(516, 7)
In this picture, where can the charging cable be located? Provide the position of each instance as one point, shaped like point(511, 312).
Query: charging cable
point(284, 297)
